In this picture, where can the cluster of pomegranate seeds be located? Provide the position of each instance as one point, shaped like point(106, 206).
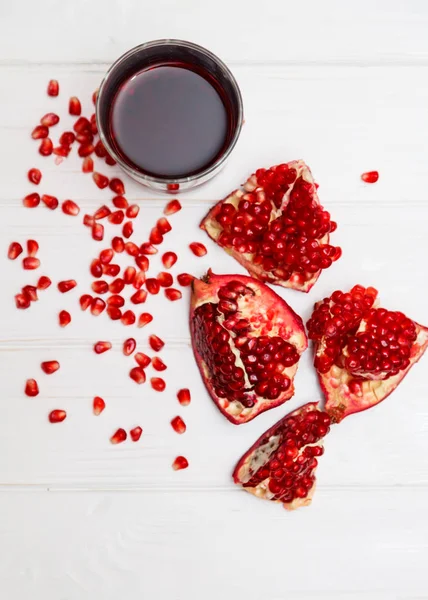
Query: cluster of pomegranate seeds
point(98, 405)
point(178, 425)
point(370, 176)
point(57, 416)
point(180, 463)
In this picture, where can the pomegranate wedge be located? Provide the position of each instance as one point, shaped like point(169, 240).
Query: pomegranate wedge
point(281, 465)
point(362, 352)
point(247, 343)
point(275, 227)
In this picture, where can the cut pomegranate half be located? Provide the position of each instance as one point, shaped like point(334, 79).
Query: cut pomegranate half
point(281, 465)
point(247, 343)
point(362, 352)
point(275, 227)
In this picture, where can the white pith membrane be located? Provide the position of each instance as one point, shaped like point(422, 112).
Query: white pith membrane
point(214, 229)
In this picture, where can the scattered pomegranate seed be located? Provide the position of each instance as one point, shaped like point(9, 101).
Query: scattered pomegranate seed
point(64, 318)
point(85, 150)
point(184, 397)
point(116, 217)
point(46, 147)
point(50, 366)
point(173, 187)
point(88, 220)
point(85, 301)
point(35, 176)
point(180, 463)
point(62, 151)
point(128, 229)
point(155, 236)
point(138, 375)
point(128, 318)
point(147, 248)
point(116, 186)
point(49, 119)
point(118, 437)
point(185, 279)
point(82, 125)
point(163, 225)
point(165, 279)
point(156, 343)
point(158, 384)
point(88, 165)
point(144, 319)
point(102, 212)
point(67, 138)
point(100, 287)
point(44, 282)
point(22, 301)
point(106, 256)
point(129, 275)
point(158, 364)
point(169, 259)
point(30, 263)
point(97, 306)
point(117, 286)
point(115, 300)
point(136, 433)
point(50, 201)
point(31, 388)
point(32, 247)
point(32, 200)
point(40, 132)
point(100, 151)
point(370, 176)
point(15, 249)
point(178, 425)
point(132, 211)
point(101, 347)
point(98, 232)
point(53, 88)
point(114, 313)
point(173, 294)
point(98, 405)
point(74, 106)
point(100, 180)
point(140, 278)
point(85, 139)
point(57, 416)
point(198, 249)
point(131, 249)
point(142, 262)
point(70, 208)
point(118, 244)
point(172, 207)
point(31, 292)
point(129, 346)
point(142, 359)
point(111, 270)
point(139, 297)
point(96, 268)
point(152, 285)
point(66, 286)
point(120, 202)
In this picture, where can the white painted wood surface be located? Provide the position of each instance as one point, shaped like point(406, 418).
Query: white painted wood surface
point(342, 85)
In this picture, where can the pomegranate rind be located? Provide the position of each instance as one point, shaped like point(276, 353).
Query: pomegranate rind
point(214, 229)
point(243, 472)
point(275, 317)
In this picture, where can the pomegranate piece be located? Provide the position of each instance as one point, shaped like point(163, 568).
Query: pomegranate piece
point(155, 236)
point(35, 176)
point(97, 306)
point(32, 247)
point(247, 343)
point(144, 319)
point(152, 286)
point(30, 263)
point(100, 151)
point(106, 256)
point(40, 132)
point(49, 119)
point(281, 465)
point(131, 249)
point(53, 88)
point(116, 217)
point(173, 294)
point(67, 138)
point(15, 249)
point(31, 388)
point(64, 318)
point(114, 313)
point(116, 186)
point(156, 343)
point(98, 232)
point(57, 416)
point(32, 200)
point(30, 291)
point(138, 375)
point(184, 397)
point(142, 359)
point(172, 207)
point(117, 286)
point(46, 147)
point(85, 150)
point(275, 227)
point(362, 352)
point(147, 248)
point(88, 165)
point(96, 268)
point(98, 405)
point(158, 384)
point(50, 366)
point(198, 249)
point(118, 244)
point(115, 300)
point(82, 126)
point(66, 286)
point(70, 208)
point(127, 229)
point(136, 433)
point(100, 287)
point(100, 180)
point(173, 187)
point(165, 279)
point(132, 211)
point(180, 462)
point(101, 347)
point(128, 318)
point(129, 346)
point(50, 201)
point(43, 283)
point(178, 425)
point(163, 225)
point(120, 202)
point(158, 364)
point(169, 259)
point(185, 279)
point(142, 262)
point(129, 275)
point(370, 176)
point(119, 436)
point(85, 301)
point(74, 106)
point(139, 297)
point(22, 301)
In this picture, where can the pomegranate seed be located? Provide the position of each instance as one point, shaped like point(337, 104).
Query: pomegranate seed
point(131, 249)
point(22, 301)
point(102, 212)
point(32, 247)
point(85, 301)
point(136, 433)
point(117, 286)
point(139, 297)
point(50, 366)
point(132, 211)
point(88, 165)
point(57, 416)
point(32, 200)
point(106, 256)
point(96, 268)
point(158, 384)
point(147, 248)
point(120, 202)
point(172, 207)
point(66, 286)
point(88, 220)
point(142, 359)
point(116, 186)
point(70, 208)
point(158, 364)
point(111, 270)
point(178, 425)
point(198, 249)
point(184, 397)
point(118, 244)
point(43, 283)
point(67, 138)
point(110, 160)
point(114, 313)
point(31, 388)
point(115, 300)
point(35, 176)
point(152, 286)
point(185, 279)
point(46, 147)
point(128, 229)
point(98, 232)
point(144, 319)
point(64, 318)
point(129, 346)
point(173, 187)
point(180, 463)
point(49, 120)
point(155, 236)
point(40, 132)
point(156, 343)
point(165, 279)
point(100, 287)
point(140, 278)
point(128, 318)
point(62, 151)
point(129, 275)
point(74, 106)
point(100, 180)
point(98, 405)
point(97, 306)
point(82, 125)
point(30, 263)
point(101, 347)
point(173, 294)
point(370, 176)
point(116, 217)
point(100, 151)
point(142, 262)
point(53, 88)
point(138, 375)
point(119, 436)
point(50, 201)
point(85, 139)
point(15, 249)
point(169, 259)
point(85, 150)
point(163, 225)
point(31, 292)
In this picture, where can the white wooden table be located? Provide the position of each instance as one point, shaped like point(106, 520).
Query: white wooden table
point(343, 85)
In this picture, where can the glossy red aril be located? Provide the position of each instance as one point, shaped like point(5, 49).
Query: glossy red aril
point(32, 200)
point(142, 359)
point(156, 343)
point(49, 119)
point(138, 375)
point(85, 301)
point(66, 286)
point(64, 318)
point(128, 318)
point(97, 306)
point(30, 263)
point(70, 208)
point(169, 259)
point(102, 212)
point(98, 405)
point(31, 292)
point(247, 343)
point(57, 416)
point(40, 132)
point(163, 225)
point(101, 347)
point(172, 207)
point(184, 397)
point(88, 165)
point(100, 180)
point(119, 436)
point(362, 352)
point(129, 346)
point(32, 247)
point(178, 425)
point(96, 268)
point(173, 294)
point(50, 366)
point(15, 249)
point(22, 301)
point(139, 297)
point(31, 388)
point(50, 201)
point(120, 202)
point(158, 364)
point(74, 106)
point(135, 433)
point(281, 465)
point(198, 249)
point(142, 262)
point(144, 319)
point(370, 176)
point(114, 313)
point(53, 88)
point(155, 236)
point(116, 186)
point(118, 244)
point(127, 229)
point(165, 279)
point(67, 138)
point(152, 286)
point(46, 147)
point(158, 384)
point(117, 286)
point(180, 463)
point(275, 227)
point(185, 279)
point(132, 249)
point(43, 283)
point(147, 248)
point(98, 232)
point(35, 176)
point(132, 211)
point(106, 256)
